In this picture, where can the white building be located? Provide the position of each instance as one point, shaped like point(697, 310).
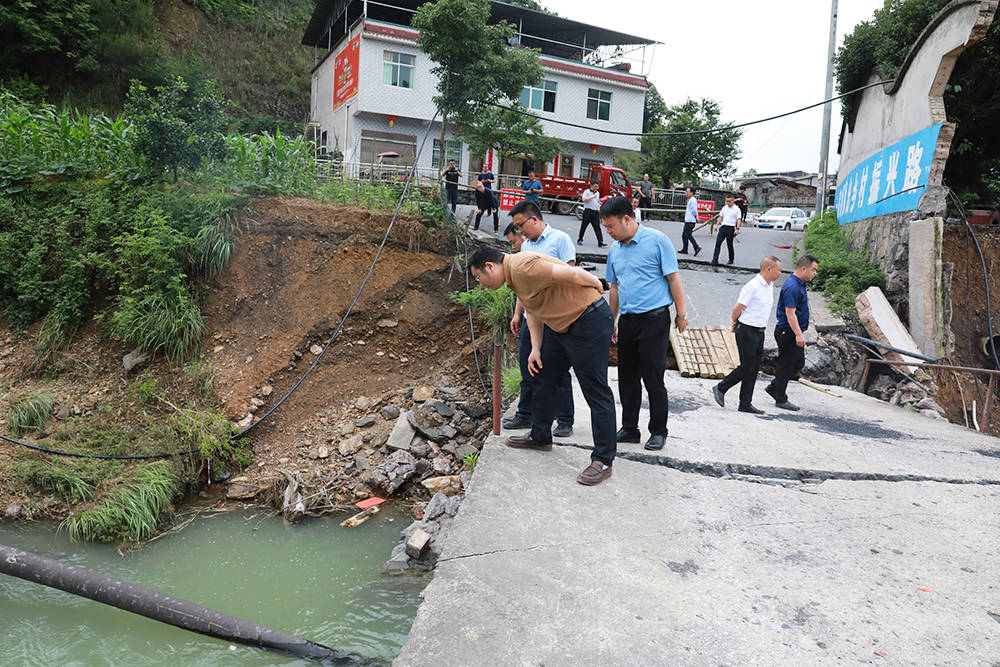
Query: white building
point(384, 98)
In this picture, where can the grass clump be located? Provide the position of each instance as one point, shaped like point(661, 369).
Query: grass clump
point(510, 383)
point(131, 513)
point(843, 273)
point(57, 477)
point(30, 413)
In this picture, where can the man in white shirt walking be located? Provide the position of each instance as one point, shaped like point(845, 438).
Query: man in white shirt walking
point(690, 218)
point(750, 315)
point(591, 203)
point(728, 229)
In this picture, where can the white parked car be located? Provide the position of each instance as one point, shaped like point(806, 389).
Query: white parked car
point(784, 218)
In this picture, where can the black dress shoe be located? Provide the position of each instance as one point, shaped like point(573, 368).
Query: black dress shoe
point(785, 405)
point(751, 409)
point(682, 252)
point(628, 435)
point(515, 422)
point(720, 396)
point(563, 430)
point(655, 443)
point(696, 251)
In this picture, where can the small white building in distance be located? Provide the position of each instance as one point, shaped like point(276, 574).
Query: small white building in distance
point(372, 88)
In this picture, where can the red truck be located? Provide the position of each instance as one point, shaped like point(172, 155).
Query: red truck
point(562, 194)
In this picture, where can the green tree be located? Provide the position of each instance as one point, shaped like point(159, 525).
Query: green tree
point(44, 37)
point(510, 134)
point(683, 159)
point(474, 63)
point(653, 109)
point(180, 126)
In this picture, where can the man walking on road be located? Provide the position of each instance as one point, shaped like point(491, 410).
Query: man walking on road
point(793, 320)
point(750, 314)
point(646, 192)
point(547, 240)
point(451, 176)
point(729, 228)
point(591, 203)
point(743, 202)
point(645, 282)
point(531, 188)
point(577, 335)
point(690, 218)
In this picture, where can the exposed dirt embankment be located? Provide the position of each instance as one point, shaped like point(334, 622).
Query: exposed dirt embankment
point(294, 272)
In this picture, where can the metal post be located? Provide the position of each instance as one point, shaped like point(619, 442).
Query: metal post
point(989, 404)
point(824, 149)
point(583, 51)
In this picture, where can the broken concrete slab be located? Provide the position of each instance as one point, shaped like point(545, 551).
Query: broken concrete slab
point(884, 326)
point(418, 543)
point(402, 433)
point(822, 319)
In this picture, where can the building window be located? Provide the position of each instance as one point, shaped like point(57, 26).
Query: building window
point(598, 104)
point(454, 153)
point(541, 97)
point(397, 69)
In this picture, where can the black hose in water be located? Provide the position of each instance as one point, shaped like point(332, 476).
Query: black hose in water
point(159, 607)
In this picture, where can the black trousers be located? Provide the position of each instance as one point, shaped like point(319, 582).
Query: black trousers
point(791, 359)
point(750, 343)
point(645, 202)
point(590, 217)
point(529, 384)
point(452, 196)
point(688, 235)
point(584, 348)
point(642, 360)
point(725, 232)
point(496, 219)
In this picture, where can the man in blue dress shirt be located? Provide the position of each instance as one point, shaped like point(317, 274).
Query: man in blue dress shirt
point(793, 320)
point(645, 282)
point(541, 238)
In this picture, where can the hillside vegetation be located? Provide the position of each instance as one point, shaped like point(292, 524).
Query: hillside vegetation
point(83, 54)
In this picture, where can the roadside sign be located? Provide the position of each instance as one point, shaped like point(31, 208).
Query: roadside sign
point(706, 209)
point(509, 198)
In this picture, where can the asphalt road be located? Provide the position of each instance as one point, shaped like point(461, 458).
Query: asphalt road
point(750, 247)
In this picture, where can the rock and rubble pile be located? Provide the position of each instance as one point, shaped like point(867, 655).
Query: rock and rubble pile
point(418, 548)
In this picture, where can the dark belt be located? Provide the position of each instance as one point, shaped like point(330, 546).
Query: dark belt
point(761, 329)
point(593, 306)
point(649, 313)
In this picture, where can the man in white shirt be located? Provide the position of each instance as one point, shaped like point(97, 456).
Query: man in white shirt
point(728, 229)
point(636, 211)
point(690, 218)
point(591, 203)
point(750, 315)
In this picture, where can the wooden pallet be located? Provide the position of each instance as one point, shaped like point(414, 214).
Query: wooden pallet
point(708, 352)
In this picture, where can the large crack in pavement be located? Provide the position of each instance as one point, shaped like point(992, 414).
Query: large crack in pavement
point(776, 475)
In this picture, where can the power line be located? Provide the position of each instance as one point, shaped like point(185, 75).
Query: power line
point(687, 133)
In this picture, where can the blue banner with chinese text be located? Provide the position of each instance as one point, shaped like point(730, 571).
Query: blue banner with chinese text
point(889, 181)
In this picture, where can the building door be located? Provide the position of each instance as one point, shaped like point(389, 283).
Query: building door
point(566, 163)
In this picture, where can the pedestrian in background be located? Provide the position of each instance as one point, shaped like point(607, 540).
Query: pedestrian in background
point(750, 315)
point(451, 176)
point(646, 192)
point(486, 204)
point(636, 211)
point(690, 218)
point(541, 238)
point(577, 334)
point(531, 188)
point(743, 202)
point(644, 283)
point(793, 320)
point(729, 228)
point(591, 203)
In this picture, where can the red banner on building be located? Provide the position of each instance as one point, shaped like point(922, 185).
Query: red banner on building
point(345, 73)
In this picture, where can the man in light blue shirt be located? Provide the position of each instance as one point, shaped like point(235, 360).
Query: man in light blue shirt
point(541, 238)
point(645, 282)
point(690, 218)
point(531, 188)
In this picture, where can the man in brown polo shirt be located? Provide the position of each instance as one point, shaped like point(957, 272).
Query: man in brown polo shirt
point(564, 308)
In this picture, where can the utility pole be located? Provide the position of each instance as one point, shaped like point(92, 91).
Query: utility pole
point(824, 148)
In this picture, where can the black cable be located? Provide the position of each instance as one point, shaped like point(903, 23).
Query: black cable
point(472, 326)
point(364, 283)
point(691, 132)
point(107, 457)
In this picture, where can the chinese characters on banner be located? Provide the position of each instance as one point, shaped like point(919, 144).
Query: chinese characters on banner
point(889, 181)
point(345, 73)
point(706, 209)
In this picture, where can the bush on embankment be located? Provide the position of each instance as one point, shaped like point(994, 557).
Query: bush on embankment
point(843, 273)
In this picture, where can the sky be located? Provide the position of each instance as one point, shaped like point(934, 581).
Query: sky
point(757, 58)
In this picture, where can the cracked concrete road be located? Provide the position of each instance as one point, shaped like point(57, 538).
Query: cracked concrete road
point(679, 559)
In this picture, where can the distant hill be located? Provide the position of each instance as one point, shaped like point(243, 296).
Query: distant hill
point(83, 53)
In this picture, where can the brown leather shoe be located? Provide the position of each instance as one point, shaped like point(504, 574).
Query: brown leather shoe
point(593, 474)
point(527, 442)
